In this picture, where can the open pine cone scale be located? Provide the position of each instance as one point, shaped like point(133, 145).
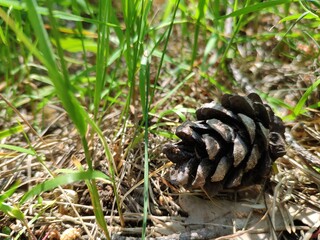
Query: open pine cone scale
point(232, 144)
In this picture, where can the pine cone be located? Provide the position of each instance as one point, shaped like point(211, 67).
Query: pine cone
point(233, 144)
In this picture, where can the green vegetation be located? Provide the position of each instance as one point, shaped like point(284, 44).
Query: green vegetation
point(125, 73)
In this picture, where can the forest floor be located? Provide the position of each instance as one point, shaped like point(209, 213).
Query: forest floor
point(287, 207)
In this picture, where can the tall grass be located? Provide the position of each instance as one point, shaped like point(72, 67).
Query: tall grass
point(132, 45)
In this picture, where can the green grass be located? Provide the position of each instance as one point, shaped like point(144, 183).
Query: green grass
point(97, 59)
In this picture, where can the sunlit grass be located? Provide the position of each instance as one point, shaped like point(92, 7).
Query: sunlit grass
point(97, 59)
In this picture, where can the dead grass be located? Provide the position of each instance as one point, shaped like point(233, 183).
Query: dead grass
point(292, 202)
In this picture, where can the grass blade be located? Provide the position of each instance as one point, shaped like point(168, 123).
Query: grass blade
point(62, 180)
point(255, 8)
point(163, 53)
point(201, 11)
point(62, 86)
point(18, 5)
point(18, 149)
point(298, 108)
point(11, 131)
point(12, 211)
point(144, 95)
point(102, 52)
point(112, 167)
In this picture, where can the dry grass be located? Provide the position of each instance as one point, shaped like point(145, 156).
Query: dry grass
point(294, 191)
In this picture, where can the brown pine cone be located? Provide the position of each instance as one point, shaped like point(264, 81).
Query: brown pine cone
point(233, 144)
